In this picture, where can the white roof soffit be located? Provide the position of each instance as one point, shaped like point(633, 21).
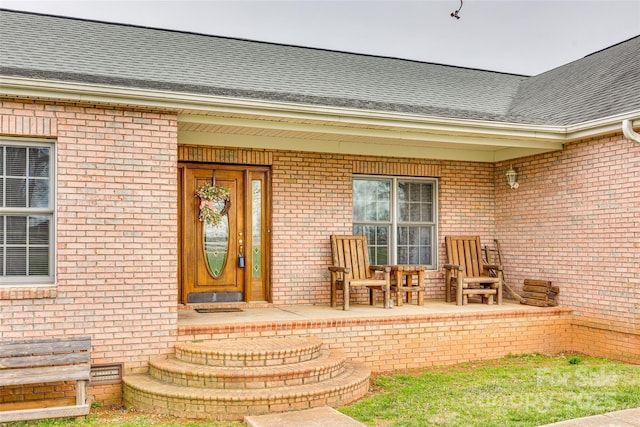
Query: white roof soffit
point(268, 124)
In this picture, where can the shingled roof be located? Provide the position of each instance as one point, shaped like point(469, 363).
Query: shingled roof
point(76, 50)
point(599, 85)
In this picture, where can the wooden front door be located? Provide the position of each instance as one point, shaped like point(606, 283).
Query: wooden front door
point(228, 262)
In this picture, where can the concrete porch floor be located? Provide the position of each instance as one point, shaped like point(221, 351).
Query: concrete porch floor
point(262, 312)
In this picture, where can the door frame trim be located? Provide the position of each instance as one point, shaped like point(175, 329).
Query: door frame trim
point(266, 246)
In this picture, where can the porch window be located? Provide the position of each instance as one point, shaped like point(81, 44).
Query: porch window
point(398, 216)
point(26, 212)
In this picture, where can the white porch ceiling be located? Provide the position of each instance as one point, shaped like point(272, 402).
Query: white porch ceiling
point(401, 139)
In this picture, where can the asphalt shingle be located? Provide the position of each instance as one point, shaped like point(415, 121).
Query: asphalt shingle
point(599, 85)
point(67, 49)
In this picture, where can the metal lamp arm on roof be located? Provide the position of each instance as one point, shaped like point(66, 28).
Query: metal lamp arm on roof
point(454, 14)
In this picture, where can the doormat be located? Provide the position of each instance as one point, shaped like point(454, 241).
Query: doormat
point(207, 297)
point(219, 310)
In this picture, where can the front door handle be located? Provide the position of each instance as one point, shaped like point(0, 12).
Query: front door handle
point(241, 254)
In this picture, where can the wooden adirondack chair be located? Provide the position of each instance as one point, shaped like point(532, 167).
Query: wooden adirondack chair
point(351, 269)
point(468, 273)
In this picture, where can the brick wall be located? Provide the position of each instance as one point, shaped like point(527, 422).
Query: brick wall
point(466, 202)
point(574, 221)
point(405, 342)
point(116, 231)
point(312, 199)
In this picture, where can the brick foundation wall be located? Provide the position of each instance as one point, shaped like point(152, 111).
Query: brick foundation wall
point(19, 395)
point(116, 232)
point(107, 394)
point(604, 341)
point(574, 221)
point(405, 342)
point(63, 393)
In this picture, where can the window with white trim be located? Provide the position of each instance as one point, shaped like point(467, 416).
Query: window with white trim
point(399, 216)
point(26, 212)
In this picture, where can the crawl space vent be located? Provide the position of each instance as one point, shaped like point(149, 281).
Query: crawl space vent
point(106, 374)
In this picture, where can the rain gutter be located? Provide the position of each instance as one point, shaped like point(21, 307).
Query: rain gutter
point(196, 107)
point(629, 133)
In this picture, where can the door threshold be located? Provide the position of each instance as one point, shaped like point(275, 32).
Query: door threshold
point(242, 305)
point(219, 310)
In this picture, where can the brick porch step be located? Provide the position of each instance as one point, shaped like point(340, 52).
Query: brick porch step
point(245, 352)
point(326, 365)
point(230, 379)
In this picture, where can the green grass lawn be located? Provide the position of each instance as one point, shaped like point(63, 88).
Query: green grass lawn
point(527, 390)
point(117, 417)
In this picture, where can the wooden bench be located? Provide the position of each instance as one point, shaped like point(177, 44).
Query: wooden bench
point(46, 361)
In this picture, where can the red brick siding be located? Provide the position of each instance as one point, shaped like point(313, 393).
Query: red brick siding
point(466, 207)
point(574, 221)
point(312, 199)
point(116, 231)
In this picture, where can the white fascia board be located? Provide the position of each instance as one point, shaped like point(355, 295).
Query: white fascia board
point(340, 120)
point(195, 109)
point(396, 133)
point(602, 126)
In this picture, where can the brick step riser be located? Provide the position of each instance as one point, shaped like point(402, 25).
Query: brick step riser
point(327, 367)
point(234, 408)
point(243, 360)
point(234, 358)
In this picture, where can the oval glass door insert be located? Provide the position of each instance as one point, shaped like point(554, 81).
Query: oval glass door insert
point(216, 246)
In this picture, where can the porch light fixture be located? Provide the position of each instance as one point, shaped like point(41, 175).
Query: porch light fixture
point(511, 178)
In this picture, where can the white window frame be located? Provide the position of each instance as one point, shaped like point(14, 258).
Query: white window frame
point(51, 211)
point(394, 214)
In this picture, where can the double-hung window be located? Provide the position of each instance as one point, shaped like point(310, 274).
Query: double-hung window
point(26, 213)
point(399, 217)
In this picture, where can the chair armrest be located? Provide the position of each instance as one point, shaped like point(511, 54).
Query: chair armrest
point(346, 270)
point(453, 267)
point(382, 270)
point(492, 267)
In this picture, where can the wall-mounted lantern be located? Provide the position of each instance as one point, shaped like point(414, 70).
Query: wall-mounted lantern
point(511, 178)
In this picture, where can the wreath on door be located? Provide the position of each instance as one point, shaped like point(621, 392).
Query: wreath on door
point(214, 203)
